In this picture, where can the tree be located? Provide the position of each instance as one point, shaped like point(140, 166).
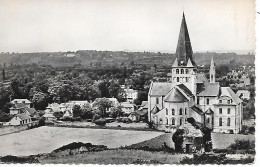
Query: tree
point(87, 112)
point(77, 111)
point(40, 100)
point(102, 104)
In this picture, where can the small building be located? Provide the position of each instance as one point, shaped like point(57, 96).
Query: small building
point(137, 116)
point(25, 102)
point(49, 117)
point(131, 94)
point(18, 108)
point(21, 119)
point(192, 139)
point(243, 94)
point(127, 107)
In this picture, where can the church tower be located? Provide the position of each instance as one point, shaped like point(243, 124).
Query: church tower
point(212, 71)
point(184, 69)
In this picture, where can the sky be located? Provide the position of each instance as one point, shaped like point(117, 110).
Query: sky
point(117, 25)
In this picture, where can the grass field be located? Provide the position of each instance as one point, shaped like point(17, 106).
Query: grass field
point(46, 139)
point(221, 141)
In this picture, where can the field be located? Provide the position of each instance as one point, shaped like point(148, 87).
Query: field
point(222, 141)
point(46, 139)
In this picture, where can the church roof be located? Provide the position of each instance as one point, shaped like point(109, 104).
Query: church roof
point(197, 109)
point(184, 49)
point(227, 91)
point(175, 96)
point(160, 88)
point(201, 78)
point(210, 89)
point(185, 89)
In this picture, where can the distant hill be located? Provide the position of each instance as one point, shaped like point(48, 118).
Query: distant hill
point(92, 58)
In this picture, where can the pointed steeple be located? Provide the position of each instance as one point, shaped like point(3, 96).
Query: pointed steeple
point(175, 63)
point(184, 49)
point(212, 62)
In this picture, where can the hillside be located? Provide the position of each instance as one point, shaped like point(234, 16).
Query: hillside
point(103, 58)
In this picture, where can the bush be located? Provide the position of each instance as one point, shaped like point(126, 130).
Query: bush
point(100, 122)
point(124, 120)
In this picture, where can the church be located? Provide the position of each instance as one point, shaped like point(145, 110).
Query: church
point(190, 94)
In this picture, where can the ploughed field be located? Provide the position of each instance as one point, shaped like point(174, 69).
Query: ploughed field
point(46, 139)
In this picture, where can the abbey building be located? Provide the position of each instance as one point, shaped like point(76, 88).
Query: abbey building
point(190, 94)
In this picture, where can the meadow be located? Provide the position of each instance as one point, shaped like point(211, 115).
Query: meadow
point(46, 139)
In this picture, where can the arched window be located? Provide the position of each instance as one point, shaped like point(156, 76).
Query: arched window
point(220, 121)
point(187, 71)
point(178, 79)
point(180, 111)
point(187, 79)
point(207, 101)
point(166, 111)
point(211, 77)
point(228, 111)
point(173, 111)
point(182, 71)
point(208, 120)
point(167, 121)
point(185, 111)
point(157, 100)
point(181, 121)
point(228, 122)
point(173, 121)
point(177, 71)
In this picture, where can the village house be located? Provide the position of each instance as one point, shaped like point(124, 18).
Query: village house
point(190, 94)
point(243, 94)
point(21, 119)
point(127, 107)
point(131, 94)
point(25, 102)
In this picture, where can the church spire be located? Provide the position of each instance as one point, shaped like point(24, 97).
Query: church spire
point(184, 49)
point(212, 71)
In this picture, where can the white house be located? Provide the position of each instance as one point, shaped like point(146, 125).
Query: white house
point(26, 102)
point(243, 94)
point(131, 94)
point(190, 94)
point(21, 119)
point(127, 107)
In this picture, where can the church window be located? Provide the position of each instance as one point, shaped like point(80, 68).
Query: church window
point(228, 122)
point(211, 77)
point(220, 101)
point(178, 79)
point(166, 121)
point(166, 111)
point(180, 112)
point(173, 121)
point(157, 100)
point(185, 112)
point(198, 100)
point(187, 71)
point(220, 121)
point(181, 121)
point(208, 120)
point(177, 71)
point(228, 101)
point(220, 110)
point(182, 71)
point(187, 79)
point(228, 110)
point(173, 112)
point(207, 101)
